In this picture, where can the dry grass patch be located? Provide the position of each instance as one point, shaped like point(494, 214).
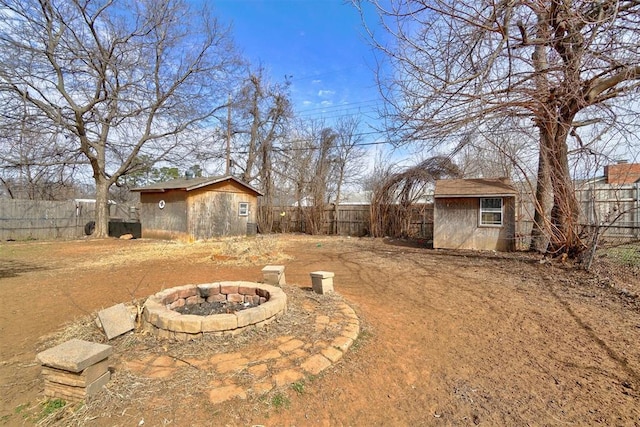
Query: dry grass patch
point(230, 250)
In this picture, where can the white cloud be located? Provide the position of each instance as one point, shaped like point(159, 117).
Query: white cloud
point(326, 103)
point(315, 82)
point(306, 103)
point(326, 93)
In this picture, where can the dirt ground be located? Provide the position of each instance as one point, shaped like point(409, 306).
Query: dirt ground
point(447, 338)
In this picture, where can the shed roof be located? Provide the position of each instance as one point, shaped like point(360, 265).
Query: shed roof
point(474, 187)
point(189, 184)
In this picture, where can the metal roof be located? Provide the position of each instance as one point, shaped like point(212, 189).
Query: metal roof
point(474, 187)
point(189, 184)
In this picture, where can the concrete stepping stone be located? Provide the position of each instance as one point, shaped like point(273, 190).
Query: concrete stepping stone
point(222, 394)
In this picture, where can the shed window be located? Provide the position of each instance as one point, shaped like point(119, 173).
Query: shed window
point(491, 211)
point(243, 209)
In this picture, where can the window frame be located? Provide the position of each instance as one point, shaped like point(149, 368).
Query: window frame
point(243, 209)
point(482, 210)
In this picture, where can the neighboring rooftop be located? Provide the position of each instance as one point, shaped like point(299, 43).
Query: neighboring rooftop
point(189, 184)
point(474, 187)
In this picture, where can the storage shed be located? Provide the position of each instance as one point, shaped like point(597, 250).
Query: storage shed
point(198, 208)
point(474, 214)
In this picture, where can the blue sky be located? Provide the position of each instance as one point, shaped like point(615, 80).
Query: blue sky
point(320, 43)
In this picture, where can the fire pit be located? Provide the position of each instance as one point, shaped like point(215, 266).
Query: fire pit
point(237, 307)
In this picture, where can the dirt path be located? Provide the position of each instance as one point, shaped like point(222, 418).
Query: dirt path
point(447, 338)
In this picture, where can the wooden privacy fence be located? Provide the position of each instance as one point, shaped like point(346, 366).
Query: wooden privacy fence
point(350, 220)
point(44, 219)
point(614, 210)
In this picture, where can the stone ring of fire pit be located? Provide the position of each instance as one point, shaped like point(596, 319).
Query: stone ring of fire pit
point(160, 318)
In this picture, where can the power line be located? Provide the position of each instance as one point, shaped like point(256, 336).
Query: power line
point(289, 149)
point(340, 113)
point(346, 105)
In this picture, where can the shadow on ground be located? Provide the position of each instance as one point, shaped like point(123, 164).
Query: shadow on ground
point(11, 268)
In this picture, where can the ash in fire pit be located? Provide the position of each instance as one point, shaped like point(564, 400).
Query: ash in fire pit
point(209, 308)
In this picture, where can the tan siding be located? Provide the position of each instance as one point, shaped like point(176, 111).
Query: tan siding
point(204, 213)
point(169, 222)
point(225, 186)
point(215, 213)
point(456, 226)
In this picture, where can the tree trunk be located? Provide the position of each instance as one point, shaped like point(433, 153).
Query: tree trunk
point(540, 233)
point(266, 221)
point(543, 203)
point(336, 208)
point(565, 211)
point(102, 209)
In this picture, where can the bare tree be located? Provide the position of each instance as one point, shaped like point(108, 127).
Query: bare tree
point(394, 197)
point(323, 148)
point(555, 65)
point(121, 79)
point(297, 159)
point(347, 163)
point(265, 112)
point(486, 155)
point(35, 162)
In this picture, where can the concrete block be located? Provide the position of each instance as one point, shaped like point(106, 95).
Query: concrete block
point(228, 288)
point(186, 291)
point(185, 323)
point(219, 322)
point(74, 394)
point(164, 297)
point(180, 302)
point(116, 321)
point(246, 290)
point(194, 300)
point(250, 316)
point(322, 282)
point(166, 318)
point(76, 379)
point(274, 275)
point(272, 307)
point(217, 298)
point(235, 298)
point(74, 355)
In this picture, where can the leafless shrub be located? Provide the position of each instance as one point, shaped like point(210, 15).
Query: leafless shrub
point(393, 201)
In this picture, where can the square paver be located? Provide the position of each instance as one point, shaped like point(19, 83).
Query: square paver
point(74, 355)
point(116, 320)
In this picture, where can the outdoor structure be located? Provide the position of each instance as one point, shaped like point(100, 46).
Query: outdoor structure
point(474, 214)
point(198, 208)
